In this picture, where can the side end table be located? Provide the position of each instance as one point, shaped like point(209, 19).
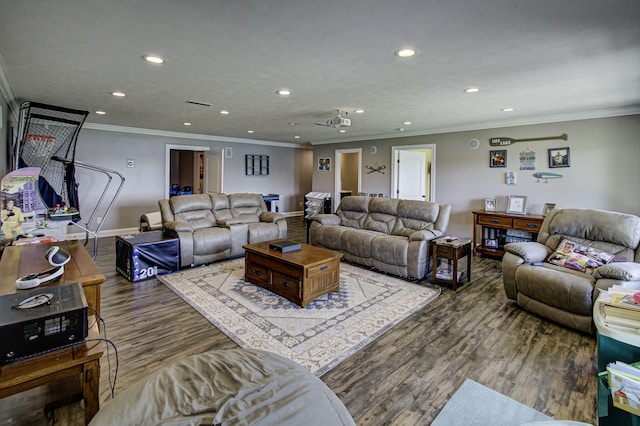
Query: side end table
point(452, 250)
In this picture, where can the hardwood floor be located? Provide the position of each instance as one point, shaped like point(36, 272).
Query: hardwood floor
point(404, 377)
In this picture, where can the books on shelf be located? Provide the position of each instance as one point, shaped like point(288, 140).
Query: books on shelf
point(624, 382)
point(447, 274)
point(619, 307)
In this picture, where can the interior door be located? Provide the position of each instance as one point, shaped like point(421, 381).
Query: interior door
point(213, 165)
point(412, 168)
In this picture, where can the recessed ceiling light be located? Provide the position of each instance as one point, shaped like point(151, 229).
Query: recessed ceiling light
point(283, 92)
point(359, 111)
point(342, 131)
point(249, 131)
point(507, 109)
point(153, 59)
point(100, 112)
point(405, 53)
point(293, 123)
point(296, 137)
point(224, 112)
point(119, 94)
point(406, 123)
point(471, 90)
point(187, 124)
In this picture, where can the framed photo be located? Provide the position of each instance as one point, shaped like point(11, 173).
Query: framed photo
point(498, 158)
point(547, 208)
point(517, 204)
point(559, 157)
point(324, 164)
point(510, 178)
point(489, 204)
point(491, 243)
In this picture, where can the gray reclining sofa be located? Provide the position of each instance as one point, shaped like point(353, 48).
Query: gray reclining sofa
point(387, 234)
point(214, 226)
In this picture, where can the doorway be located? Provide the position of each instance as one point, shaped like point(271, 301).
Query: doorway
point(413, 172)
point(348, 168)
point(185, 169)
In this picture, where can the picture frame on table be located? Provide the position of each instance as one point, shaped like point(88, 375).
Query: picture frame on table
point(498, 158)
point(489, 204)
point(490, 243)
point(517, 204)
point(559, 157)
point(547, 208)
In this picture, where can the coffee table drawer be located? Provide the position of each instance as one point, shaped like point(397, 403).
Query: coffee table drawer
point(332, 265)
point(285, 286)
point(257, 274)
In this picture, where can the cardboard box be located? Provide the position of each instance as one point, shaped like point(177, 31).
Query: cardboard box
point(147, 254)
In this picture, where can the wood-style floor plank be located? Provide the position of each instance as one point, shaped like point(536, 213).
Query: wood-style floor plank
point(404, 377)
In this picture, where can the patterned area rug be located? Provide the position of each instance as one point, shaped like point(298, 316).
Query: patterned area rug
point(320, 336)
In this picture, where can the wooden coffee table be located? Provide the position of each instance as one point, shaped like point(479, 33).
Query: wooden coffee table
point(300, 276)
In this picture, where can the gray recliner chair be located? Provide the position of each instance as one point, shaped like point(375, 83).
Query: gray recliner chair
point(567, 295)
point(214, 226)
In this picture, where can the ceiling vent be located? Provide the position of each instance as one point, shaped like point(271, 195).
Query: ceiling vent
point(206, 104)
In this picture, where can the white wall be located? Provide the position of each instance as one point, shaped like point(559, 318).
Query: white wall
point(604, 172)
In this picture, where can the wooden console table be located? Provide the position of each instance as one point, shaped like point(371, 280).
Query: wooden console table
point(494, 226)
point(18, 261)
point(301, 276)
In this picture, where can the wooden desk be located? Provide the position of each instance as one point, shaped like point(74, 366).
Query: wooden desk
point(81, 360)
point(18, 261)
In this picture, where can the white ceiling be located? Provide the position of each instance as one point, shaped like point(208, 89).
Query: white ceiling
point(551, 60)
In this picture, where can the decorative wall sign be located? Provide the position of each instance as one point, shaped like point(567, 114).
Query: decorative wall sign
point(498, 158)
point(527, 160)
point(509, 141)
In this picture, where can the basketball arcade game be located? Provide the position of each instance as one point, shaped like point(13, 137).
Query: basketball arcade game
point(46, 139)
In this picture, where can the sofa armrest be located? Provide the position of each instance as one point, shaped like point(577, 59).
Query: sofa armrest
point(326, 219)
point(623, 271)
point(177, 226)
point(271, 217)
point(530, 252)
point(425, 235)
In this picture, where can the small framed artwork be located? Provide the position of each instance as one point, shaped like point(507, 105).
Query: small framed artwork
point(547, 208)
point(510, 178)
point(324, 164)
point(517, 204)
point(489, 204)
point(498, 158)
point(559, 157)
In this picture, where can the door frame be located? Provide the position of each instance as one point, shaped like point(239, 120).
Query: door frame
point(167, 161)
point(337, 172)
point(395, 153)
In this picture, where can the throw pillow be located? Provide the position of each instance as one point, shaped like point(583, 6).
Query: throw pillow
point(579, 257)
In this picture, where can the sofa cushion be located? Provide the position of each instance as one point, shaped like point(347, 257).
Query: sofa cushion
point(330, 236)
point(243, 203)
point(358, 242)
point(415, 216)
point(390, 249)
point(580, 257)
point(211, 240)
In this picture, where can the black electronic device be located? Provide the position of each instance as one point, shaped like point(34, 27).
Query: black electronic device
point(285, 246)
point(36, 321)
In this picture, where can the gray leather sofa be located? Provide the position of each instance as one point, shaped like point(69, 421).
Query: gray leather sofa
point(387, 234)
point(214, 226)
point(566, 295)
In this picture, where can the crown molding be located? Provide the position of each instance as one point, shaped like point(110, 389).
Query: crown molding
point(182, 135)
point(7, 92)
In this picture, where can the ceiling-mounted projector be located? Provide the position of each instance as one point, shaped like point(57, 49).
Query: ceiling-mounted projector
point(339, 122)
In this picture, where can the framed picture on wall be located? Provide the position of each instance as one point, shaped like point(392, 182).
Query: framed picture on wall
point(498, 158)
point(559, 157)
point(324, 164)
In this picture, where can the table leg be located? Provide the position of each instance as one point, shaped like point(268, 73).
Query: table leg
point(90, 389)
point(454, 277)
